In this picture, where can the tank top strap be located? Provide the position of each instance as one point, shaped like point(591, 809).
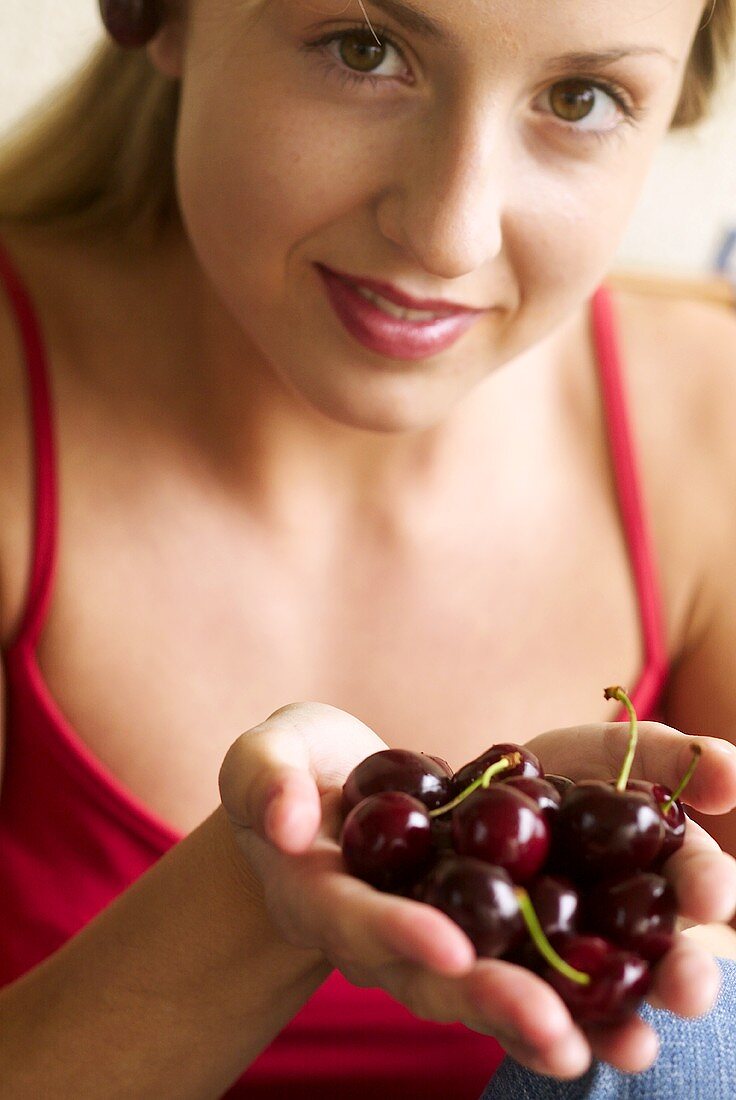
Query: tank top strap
point(45, 504)
point(633, 515)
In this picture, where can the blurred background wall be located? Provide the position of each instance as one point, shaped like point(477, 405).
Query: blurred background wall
point(686, 211)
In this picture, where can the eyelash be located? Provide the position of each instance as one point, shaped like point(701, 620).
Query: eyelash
point(348, 78)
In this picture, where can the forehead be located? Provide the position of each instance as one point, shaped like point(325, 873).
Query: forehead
point(518, 24)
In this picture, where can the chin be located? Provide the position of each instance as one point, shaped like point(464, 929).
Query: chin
point(385, 408)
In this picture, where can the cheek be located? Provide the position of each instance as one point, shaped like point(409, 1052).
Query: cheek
point(259, 181)
point(564, 228)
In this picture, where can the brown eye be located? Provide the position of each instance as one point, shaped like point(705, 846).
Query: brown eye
point(572, 101)
point(361, 52)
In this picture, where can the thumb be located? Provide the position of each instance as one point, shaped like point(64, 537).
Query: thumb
point(266, 784)
point(272, 777)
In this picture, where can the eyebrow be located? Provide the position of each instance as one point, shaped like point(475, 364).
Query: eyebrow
point(417, 22)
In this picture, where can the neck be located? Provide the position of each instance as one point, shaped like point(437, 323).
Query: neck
point(263, 442)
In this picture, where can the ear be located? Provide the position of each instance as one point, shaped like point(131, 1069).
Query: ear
point(166, 50)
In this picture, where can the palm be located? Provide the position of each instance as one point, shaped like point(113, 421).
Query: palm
point(415, 952)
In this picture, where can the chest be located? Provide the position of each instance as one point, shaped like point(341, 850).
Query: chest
point(175, 623)
point(493, 626)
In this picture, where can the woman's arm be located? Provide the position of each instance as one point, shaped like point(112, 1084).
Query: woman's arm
point(701, 698)
point(171, 991)
point(701, 694)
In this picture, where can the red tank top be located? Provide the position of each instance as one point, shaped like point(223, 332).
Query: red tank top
point(72, 837)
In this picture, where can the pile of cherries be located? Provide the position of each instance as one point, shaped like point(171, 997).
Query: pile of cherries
point(556, 876)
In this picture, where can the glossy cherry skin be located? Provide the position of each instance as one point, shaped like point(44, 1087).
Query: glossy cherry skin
point(441, 761)
point(544, 794)
point(600, 832)
point(675, 820)
point(423, 777)
point(556, 902)
point(442, 833)
point(504, 827)
point(637, 912)
point(620, 981)
point(478, 897)
point(386, 840)
point(470, 772)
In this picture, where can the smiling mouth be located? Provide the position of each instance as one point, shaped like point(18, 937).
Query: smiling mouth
point(398, 303)
point(393, 310)
point(395, 330)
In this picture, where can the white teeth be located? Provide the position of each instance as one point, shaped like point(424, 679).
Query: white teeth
point(396, 311)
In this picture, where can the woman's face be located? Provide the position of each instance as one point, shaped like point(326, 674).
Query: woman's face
point(469, 158)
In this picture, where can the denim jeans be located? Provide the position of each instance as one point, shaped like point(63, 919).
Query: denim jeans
point(697, 1061)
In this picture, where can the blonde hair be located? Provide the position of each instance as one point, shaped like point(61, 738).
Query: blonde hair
point(99, 153)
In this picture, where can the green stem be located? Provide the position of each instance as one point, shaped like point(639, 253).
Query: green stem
point(542, 943)
point(620, 694)
point(511, 760)
point(665, 807)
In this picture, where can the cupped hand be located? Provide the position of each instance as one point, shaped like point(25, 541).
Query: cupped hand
point(687, 980)
point(280, 785)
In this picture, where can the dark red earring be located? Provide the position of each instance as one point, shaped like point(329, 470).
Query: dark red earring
point(132, 23)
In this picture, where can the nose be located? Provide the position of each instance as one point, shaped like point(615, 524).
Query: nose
point(445, 205)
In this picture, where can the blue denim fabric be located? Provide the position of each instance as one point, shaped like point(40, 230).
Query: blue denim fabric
point(697, 1061)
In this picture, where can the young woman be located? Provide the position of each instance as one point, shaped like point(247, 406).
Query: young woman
point(313, 388)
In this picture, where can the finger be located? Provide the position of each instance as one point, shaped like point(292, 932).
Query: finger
point(266, 784)
point(273, 775)
point(687, 980)
point(360, 927)
point(663, 756)
point(317, 906)
point(510, 1003)
point(363, 927)
point(717, 939)
point(704, 878)
point(630, 1047)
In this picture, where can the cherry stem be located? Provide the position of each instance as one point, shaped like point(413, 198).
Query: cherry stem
point(620, 694)
point(665, 807)
point(542, 943)
point(511, 760)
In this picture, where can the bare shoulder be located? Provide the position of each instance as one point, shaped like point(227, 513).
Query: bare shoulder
point(679, 355)
point(692, 366)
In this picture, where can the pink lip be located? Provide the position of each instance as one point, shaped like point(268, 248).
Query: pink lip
point(398, 297)
point(394, 337)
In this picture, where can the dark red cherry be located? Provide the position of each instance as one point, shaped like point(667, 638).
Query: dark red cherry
point(398, 770)
point(478, 897)
point(442, 833)
point(601, 831)
point(470, 772)
point(387, 841)
point(620, 980)
point(544, 794)
point(637, 912)
point(442, 763)
point(674, 820)
point(556, 903)
point(504, 827)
